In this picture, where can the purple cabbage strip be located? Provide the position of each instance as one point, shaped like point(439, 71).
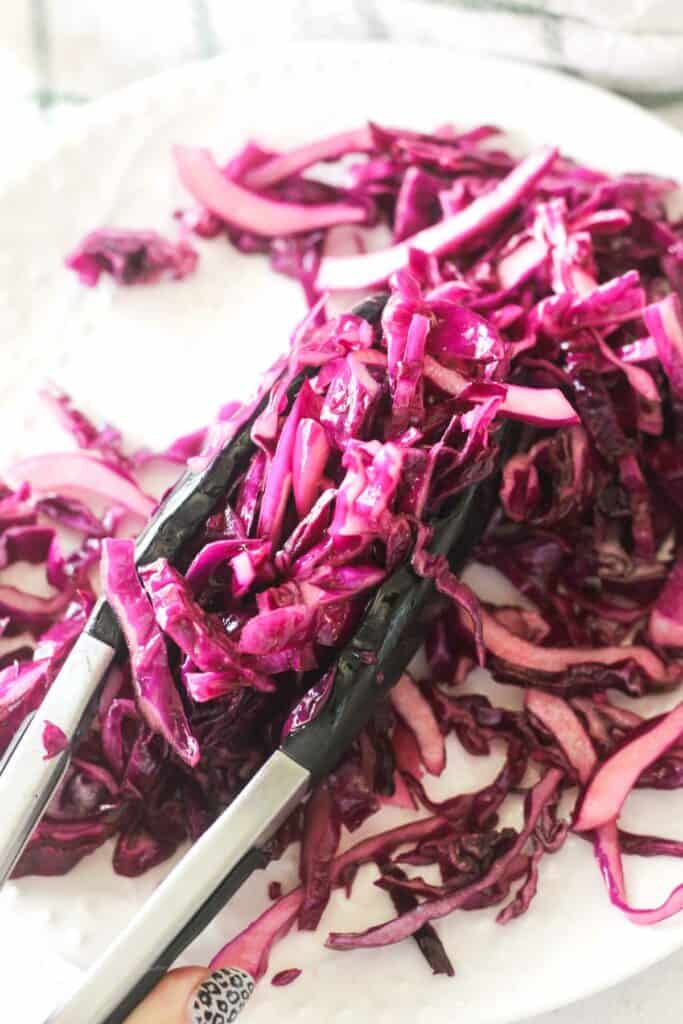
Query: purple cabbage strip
point(131, 257)
point(157, 695)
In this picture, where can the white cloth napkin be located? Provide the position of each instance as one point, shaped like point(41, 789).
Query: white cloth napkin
point(55, 55)
point(632, 45)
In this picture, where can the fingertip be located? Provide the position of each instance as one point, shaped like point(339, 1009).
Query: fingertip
point(170, 1002)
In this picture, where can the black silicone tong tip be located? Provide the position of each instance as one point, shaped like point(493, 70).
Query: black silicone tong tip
point(371, 309)
point(392, 629)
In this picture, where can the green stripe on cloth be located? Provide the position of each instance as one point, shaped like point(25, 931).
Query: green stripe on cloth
point(553, 36)
point(206, 37)
point(40, 34)
point(502, 7)
point(72, 99)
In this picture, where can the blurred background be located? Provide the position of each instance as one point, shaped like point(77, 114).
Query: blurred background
point(56, 55)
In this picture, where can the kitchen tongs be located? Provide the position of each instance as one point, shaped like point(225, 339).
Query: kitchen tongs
point(27, 780)
point(231, 849)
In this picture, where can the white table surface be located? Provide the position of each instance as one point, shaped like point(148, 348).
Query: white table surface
point(53, 61)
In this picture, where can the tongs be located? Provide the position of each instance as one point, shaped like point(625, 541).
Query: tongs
point(231, 849)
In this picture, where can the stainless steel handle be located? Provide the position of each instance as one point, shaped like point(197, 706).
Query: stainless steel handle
point(250, 820)
point(28, 781)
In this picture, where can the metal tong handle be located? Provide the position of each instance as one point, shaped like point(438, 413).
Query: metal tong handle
point(27, 781)
point(27, 789)
point(188, 898)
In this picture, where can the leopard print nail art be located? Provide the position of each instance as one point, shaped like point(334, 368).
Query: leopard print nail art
point(221, 998)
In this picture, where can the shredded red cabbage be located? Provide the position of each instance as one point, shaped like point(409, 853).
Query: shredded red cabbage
point(285, 977)
point(131, 257)
point(54, 740)
point(537, 290)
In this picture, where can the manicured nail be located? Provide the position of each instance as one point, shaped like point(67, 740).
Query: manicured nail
point(222, 997)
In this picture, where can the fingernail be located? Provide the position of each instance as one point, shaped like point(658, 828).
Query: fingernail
point(221, 997)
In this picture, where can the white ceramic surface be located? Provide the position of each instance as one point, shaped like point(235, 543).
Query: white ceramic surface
point(203, 341)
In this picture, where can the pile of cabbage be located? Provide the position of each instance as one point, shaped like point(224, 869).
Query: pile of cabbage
point(537, 290)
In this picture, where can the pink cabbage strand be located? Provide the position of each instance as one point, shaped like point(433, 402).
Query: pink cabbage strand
point(78, 474)
point(605, 784)
point(607, 791)
point(510, 648)
point(247, 210)
point(666, 617)
point(283, 165)
point(337, 273)
point(664, 320)
point(156, 692)
point(417, 715)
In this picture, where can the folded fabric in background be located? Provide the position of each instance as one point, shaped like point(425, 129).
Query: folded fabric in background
point(56, 55)
point(635, 46)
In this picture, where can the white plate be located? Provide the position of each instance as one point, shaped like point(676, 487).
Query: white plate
point(161, 360)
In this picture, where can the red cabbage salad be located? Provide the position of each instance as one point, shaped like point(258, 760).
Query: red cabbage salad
point(535, 289)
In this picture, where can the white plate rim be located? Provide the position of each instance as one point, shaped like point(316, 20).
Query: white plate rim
point(198, 72)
